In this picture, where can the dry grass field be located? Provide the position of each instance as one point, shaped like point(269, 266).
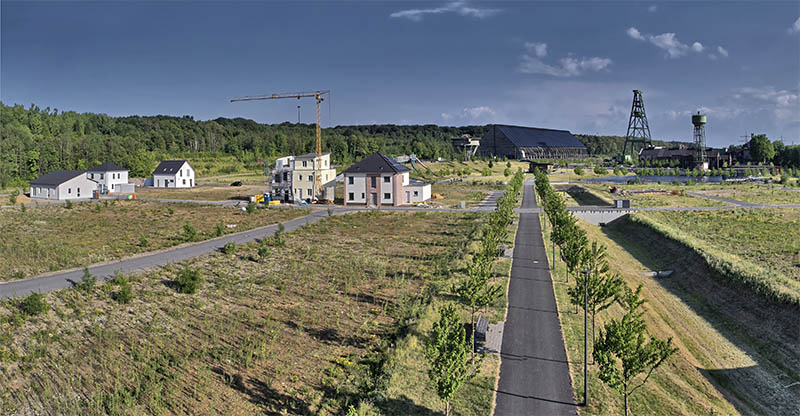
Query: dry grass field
point(453, 194)
point(203, 193)
point(737, 350)
point(598, 194)
point(300, 329)
point(759, 194)
point(55, 237)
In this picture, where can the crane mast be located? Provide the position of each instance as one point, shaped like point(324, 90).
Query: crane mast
point(318, 97)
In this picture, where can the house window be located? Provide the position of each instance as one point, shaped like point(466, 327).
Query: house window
point(79, 191)
point(305, 163)
point(69, 190)
point(309, 192)
point(101, 176)
point(386, 179)
point(350, 180)
point(184, 181)
point(362, 195)
point(286, 176)
point(325, 163)
point(416, 193)
point(180, 172)
point(387, 196)
point(311, 178)
point(91, 176)
point(300, 177)
point(373, 182)
point(350, 196)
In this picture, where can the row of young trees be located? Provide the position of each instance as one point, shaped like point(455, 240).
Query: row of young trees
point(450, 355)
point(621, 352)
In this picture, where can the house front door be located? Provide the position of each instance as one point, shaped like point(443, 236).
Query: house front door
point(374, 199)
point(408, 197)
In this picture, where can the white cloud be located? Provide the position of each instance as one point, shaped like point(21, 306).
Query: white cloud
point(670, 44)
point(722, 51)
point(652, 9)
point(570, 66)
point(712, 57)
point(481, 113)
point(540, 49)
point(458, 7)
point(783, 104)
point(476, 112)
point(634, 33)
point(795, 28)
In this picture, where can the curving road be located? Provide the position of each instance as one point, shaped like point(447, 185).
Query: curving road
point(534, 373)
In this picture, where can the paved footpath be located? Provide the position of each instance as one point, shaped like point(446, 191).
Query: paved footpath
point(67, 278)
point(534, 374)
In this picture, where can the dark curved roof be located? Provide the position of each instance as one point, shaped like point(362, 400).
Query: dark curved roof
point(377, 163)
point(107, 167)
point(536, 137)
point(57, 177)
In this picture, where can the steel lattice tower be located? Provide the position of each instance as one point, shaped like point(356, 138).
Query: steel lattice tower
point(638, 130)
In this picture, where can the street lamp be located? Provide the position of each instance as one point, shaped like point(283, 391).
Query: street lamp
point(585, 338)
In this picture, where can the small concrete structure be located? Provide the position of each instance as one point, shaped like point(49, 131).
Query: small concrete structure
point(62, 184)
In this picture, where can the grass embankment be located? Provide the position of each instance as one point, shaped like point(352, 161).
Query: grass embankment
point(736, 351)
point(758, 194)
point(203, 193)
point(758, 248)
point(598, 194)
point(303, 329)
point(54, 238)
point(569, 175)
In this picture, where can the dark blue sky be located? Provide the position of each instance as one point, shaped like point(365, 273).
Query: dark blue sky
point(569, 65)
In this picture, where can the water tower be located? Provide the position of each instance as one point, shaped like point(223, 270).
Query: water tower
point(699, 122)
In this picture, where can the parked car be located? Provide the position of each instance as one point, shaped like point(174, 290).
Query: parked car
point(237, 183)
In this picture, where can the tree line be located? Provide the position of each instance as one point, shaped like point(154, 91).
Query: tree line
point(624, 359)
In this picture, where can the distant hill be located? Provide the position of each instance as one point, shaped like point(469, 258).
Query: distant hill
point(36, 141)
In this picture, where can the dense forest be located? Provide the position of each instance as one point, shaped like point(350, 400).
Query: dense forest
point(34, 141)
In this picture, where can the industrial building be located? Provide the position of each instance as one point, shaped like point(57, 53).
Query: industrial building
point(378, 180)
point(529, 143)
point(293, 177)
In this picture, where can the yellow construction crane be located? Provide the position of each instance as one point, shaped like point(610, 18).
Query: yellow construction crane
point(316, 95)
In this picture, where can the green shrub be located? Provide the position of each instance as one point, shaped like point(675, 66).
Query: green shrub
point(507, 171)
point(170, 211)
point(279, 240)
point(784, 179)
point(34, 304)
point(263, 250)
point(125, 293)
point(87, 281)
point(143, 242)
point(491, 164)
point(68, 205)
point(508, 165)
point(97, 207)
point(229, 247)
point(250, 208)
point(578, 171)
point(601, 170)
point(486, 172)
point(13, 197)
point(220, 230)
point(189, 232)
point(188, 281)
point(22, 207)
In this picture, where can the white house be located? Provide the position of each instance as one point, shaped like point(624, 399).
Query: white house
point(378, 180)
point(63, 184)
point(173, 174)
point(110, 177)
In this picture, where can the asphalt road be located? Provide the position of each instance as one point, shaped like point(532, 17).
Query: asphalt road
point(65, 279)
point(534, 373)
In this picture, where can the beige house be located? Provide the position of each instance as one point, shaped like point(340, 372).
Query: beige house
point(378, 180)
point(293, 177)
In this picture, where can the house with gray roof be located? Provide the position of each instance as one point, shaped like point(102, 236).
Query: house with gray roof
point(173, 174)
point(529, 143)
point(110, 178)
point(62, 184)
point(378, 180)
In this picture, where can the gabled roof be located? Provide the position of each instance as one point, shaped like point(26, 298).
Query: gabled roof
point(57, 177)
point(377, 163)
point(536, 137)
point(108, 167)
point(168, 167)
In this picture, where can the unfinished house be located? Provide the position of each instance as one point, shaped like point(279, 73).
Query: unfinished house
point(293, 178)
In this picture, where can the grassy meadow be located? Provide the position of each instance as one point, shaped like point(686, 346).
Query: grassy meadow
point(297, 328)
point(203, 193)
point(56, 237)
point(453, 194)
point(598, 194)
point(737, 350)
point(758, 194)
point(473, 171)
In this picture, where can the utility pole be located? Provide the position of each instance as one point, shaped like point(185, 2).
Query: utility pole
point(585, 338)
point(298, 114)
